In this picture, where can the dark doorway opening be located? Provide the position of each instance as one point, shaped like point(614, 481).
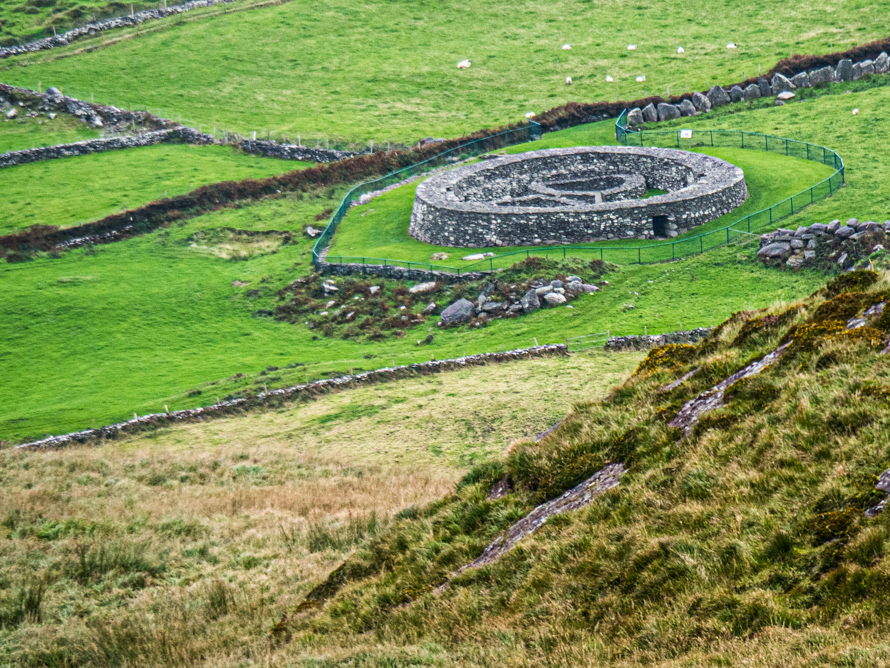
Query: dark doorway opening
point(660, 226)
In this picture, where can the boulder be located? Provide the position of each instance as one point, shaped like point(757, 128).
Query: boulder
point(530, 301)
point(857, 72)
point(53, 94)
point(437, 257)
point(573, 279)
point(752, 92)
point(311, 232)
point(421, 288)
point(797, 244)
point(882, 64)
point(765, 89)
point(867, 67)
point(668, 112)
point(430, 308)
point(635, 117)
point(833, 226)
point(574, 288)
point(736, 94)
point(374, 289)
point(822, 75)
point(687, 108)
point(818, 228)
point(460, 311)
point(801, 80)
point(495, 307)
point(800, 231)
point(774, 251)
point(649, 113)
point(718, 97)
point(853, 222)
point(543, 290)
point(781, 83)
point(844, 70)
point(554, 298)
point(701, 102)
point(587, 287)
point(784, 96)
point(845, 232)
point(556, 283)
point(474, 257)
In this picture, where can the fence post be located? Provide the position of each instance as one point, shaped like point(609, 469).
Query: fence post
point(811, 195)
point(786, 147)
point(701, 244)
point(712, 137)
point(639, 256)
point(742, 135)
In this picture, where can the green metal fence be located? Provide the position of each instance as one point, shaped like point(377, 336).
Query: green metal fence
point(529, 132)
point(640, 253)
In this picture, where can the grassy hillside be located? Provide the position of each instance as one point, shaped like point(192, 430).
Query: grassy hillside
point(387, 71)
point(69, 191)
point(22, 133)
point(743, 543)
point(183, 546)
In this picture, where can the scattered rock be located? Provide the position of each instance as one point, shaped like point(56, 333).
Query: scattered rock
point(437, 257)
point(460, 311)
point(422, 288)
point(312, 232)
point(554, 298)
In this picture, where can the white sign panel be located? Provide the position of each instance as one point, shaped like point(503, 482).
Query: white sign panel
point(685, 134)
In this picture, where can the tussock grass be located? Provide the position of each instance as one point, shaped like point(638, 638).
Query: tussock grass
point(184, 546)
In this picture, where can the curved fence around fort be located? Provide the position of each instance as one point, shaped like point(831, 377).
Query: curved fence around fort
point(642, 253)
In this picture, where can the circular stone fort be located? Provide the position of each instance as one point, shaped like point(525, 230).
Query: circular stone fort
point(571, 195)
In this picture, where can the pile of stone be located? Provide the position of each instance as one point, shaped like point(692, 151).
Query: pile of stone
point(540, 294)
point(779, 86)
point(819, 243)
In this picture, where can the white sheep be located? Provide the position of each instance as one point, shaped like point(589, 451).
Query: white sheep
point(680, 49)
point(641, 78)
point(568, 81)
point(609, 79)
point(855, 112)
point(464, 64)
point(566, 47)
point(732, 45)
point(631, 47)
point(529, 114)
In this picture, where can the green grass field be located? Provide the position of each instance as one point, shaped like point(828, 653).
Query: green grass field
point(22, 133)
point(387, 70)
point(380, 229)
point(69, 191)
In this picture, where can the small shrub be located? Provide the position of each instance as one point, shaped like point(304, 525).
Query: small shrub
point(665, 358)
point(851, 281)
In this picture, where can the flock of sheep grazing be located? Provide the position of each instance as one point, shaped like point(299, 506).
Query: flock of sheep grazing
point(465, 64)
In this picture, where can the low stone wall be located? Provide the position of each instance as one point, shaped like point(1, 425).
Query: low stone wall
point(624, 343)
point(397, 273)
point(273, 149)
point(305, 391)
point(106, 24)
point(179, 135)
point(503, 202)
point(700, 103)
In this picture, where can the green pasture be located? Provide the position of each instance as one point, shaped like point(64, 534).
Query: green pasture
point(386, 70)
point(21, 133)
point(68, 191)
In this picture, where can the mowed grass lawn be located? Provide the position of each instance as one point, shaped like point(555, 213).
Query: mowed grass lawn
point(69, 191)
point(379, 229)
point(21, 133)
point(386, 70)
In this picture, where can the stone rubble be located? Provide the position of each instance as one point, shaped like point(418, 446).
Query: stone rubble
point(841, 244)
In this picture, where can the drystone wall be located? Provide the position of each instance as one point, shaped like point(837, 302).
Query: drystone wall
point(624, 343)
point(780, 86)
point(396, 273)
point(179, 135)
point(273, 149)
point(304, 391)
point(106, 24)
point(555, 196)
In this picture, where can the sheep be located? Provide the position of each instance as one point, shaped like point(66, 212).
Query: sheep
point(732, 45)
point(855, 112)
point(680, 49)
point(609, 79)
point(566, 47)
point(464, 64)
point(641, 78)
point(568, 81)
point(631, 47)
point(529, 114)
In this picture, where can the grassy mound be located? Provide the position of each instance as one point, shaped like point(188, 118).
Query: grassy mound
point(387, 72)
point(68, 191)
point(749, 534)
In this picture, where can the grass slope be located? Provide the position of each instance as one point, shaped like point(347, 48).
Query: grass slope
point(22, 133)
point(745, 543)
point(386, 70)
point(224, 525)
point(69, 191)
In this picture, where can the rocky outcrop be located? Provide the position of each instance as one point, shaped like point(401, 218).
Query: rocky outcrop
point(824, 245)
point(304, 391)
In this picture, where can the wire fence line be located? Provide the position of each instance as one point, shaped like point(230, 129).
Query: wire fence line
point(641, 253)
